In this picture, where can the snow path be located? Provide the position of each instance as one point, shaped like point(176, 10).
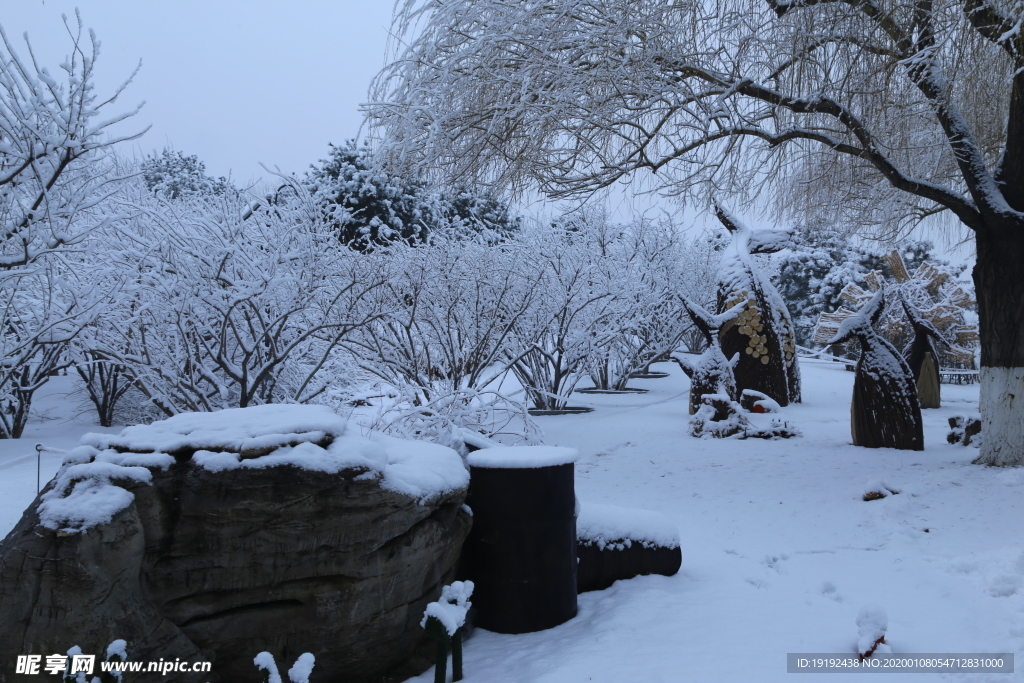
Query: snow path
point(780, 553)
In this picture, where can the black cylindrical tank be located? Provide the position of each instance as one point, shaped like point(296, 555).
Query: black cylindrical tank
point(521, 552)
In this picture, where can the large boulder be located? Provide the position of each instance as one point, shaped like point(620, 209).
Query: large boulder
point(215, 536)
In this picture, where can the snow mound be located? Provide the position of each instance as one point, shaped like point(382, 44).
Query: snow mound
point(239, 430)
point(617, 528)
point(879, 488)
point(522, 457)
point(872, 623)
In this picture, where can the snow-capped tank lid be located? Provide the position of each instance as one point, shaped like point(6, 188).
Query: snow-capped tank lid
point(522, 457)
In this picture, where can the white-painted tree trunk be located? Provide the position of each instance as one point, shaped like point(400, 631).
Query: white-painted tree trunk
point(1002, 417)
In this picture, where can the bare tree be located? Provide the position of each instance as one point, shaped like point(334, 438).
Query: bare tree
point(450, 307)
point(224, 311)
point(879, 112)
point(54, 183)
point(552, 339)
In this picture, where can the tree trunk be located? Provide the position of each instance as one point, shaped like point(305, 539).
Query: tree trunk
point(999, 287)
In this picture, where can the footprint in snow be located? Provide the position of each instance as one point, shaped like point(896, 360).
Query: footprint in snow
point(828, 589)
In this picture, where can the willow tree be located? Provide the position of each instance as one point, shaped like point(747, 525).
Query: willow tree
point(872, 112)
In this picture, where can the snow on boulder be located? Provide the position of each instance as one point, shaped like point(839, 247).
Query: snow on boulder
point(420, 469)
point(619, 543)
point(269, 527)
point(247, 431)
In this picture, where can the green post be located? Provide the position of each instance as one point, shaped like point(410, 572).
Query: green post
point(436, 630)
point(457, 655)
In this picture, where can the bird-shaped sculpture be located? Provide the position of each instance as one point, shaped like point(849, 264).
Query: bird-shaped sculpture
point(885, 412)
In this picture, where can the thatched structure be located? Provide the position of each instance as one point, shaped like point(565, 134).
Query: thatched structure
point(885, 412)
point(763, 332)
point(937, 299)
point(923, 357)
point(712, 372)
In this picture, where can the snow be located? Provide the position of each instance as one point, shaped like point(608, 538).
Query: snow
point(763, 401)
point(419, 469)
point(85, 494)
point(780, 550)
point(344, 453)
point(303, 667)
point(118, 647)
point(86, 491)
point(879, 487)
point(522, 457)
point(264, 661)
point(871, 625)
point(234, 429)
point(618, 527)
point(451, 609)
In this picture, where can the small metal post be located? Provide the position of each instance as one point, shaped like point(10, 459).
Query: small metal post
point(39, 457)
point(457, 655)
point(441, 665)
point(436, 630)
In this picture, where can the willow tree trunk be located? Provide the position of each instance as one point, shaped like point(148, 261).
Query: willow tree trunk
point(999, 288)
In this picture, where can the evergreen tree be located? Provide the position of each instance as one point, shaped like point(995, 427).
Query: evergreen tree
point(175, 175)
point(823, 261)
point(370, 207)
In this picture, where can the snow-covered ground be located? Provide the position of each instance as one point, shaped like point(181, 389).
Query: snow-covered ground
point(780, 551)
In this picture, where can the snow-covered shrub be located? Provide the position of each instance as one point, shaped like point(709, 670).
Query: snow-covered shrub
point(448, 310)
point(368, 208)
point(876, 489)
point(42, 310)
point(223, 306)
point(175, 175)
point(965, 430)
point(54, 178)
point(639, 265)
point(442, 341)
point(456, 419)
point(550, 341)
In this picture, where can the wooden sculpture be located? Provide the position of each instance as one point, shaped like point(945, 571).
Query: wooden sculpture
point(938, 300)
point(885, 412)
point(711, 374)
point(763, 332)
point(922, 356)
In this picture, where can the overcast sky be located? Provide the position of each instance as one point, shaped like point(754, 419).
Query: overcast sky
point(240, 83)
point(236, 83)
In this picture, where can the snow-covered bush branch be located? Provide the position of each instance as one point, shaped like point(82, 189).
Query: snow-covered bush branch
point(222, 311)
point(55, 184)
